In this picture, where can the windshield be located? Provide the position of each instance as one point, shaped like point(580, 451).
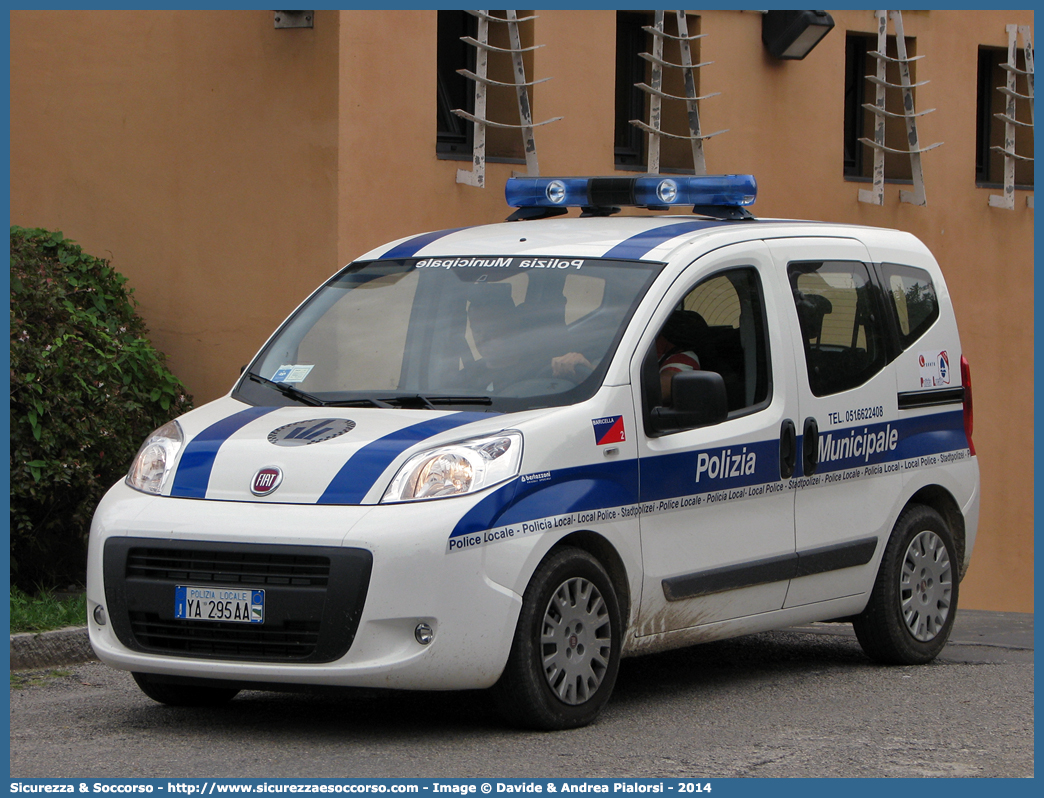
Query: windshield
point(498, 333)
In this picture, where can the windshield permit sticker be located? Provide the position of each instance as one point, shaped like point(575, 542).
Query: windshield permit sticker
point(500, 263)
point(609, 430)
point(291, 373)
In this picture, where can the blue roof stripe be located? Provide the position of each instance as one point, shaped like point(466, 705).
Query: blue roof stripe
point(636, 247)
point(363, 468)
point(410, 247)
point(197, 461)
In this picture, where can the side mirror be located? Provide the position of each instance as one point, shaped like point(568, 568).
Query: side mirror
point(698, 400)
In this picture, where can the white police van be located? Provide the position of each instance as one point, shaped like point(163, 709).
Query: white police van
point(507, 456)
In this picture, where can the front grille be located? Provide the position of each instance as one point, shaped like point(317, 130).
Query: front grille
point(232, 568)
point(313, 598)
point(293, 640)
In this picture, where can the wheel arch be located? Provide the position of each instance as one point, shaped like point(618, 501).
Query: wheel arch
point(943, 502)
point(610, 559)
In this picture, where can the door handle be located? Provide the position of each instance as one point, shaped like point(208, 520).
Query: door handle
point(787, 448)
point(810, 446)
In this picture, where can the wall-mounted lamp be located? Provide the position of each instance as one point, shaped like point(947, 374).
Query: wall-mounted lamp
point(294, 19)
point(791, 35)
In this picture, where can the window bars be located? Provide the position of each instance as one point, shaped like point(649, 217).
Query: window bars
point(477, 175)
point(1007, 199)
point(656, 94)
point(875, 196)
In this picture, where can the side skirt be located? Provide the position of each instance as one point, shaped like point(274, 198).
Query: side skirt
point(771, 569)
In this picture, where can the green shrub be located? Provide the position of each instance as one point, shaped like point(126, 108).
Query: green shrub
point(86, 388)
point(46, 611)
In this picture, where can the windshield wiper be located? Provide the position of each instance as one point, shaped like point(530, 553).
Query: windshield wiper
point(361, 402)
point(290, 391)
point(430, 402)
point(457, 400)
point(312, 400)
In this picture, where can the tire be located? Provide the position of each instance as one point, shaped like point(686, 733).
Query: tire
point(914, 600)
point(183, 695)
point(566, 651)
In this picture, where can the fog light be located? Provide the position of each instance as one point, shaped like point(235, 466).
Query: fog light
point(99, 615)
point(424, 634)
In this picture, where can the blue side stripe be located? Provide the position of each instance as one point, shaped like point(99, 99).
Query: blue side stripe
point(668, 476)
point(921, 436)
point(410, 247)
point(197, 461)
point(617, 484)
point(363, 468)
point(637, 246)
point(577, 489)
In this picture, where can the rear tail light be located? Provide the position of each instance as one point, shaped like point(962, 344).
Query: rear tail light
point(968, 416)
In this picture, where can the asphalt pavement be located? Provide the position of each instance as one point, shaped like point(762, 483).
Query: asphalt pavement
point(799, 702)
point(977, 636)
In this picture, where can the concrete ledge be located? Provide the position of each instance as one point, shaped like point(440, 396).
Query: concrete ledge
point(32, 650)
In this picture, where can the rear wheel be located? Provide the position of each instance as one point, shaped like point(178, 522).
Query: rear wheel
point(183, 695)
point(914, 600)
point(566, 652)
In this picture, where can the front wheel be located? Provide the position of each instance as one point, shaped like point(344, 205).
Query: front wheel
point(183, 695)
point(914, 600)
point(566, 651)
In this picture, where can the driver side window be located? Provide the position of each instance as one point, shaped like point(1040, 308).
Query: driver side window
point(718, 326)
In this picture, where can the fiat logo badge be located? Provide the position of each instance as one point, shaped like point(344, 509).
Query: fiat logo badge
point(266, 480)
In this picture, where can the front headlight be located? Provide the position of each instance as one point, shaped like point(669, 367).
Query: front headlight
point(155, 458)
point(458, 468)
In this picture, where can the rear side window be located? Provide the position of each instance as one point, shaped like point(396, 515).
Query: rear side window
point(912, 298)
point(841, 324)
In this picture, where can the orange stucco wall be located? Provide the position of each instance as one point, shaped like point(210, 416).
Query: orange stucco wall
point(197, 151)
point(226, 167)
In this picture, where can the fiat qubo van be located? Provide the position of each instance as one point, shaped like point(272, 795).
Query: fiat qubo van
point(508, 456)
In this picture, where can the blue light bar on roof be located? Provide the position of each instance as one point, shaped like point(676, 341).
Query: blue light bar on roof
point(655, 191)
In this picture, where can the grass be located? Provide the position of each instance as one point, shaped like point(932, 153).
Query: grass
point(20, 681)
point(44, 612)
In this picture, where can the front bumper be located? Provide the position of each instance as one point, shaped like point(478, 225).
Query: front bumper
point(389, 571)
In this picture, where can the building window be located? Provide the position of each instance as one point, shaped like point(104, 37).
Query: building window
point(631, 145)
point(630, 101)
point(455, 91)
point(989, 163)
point(859, 122)
point(455, 135)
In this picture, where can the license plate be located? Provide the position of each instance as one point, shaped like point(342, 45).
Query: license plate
point(228, 604)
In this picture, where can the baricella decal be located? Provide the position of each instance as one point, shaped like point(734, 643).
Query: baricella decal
point(609, 430)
